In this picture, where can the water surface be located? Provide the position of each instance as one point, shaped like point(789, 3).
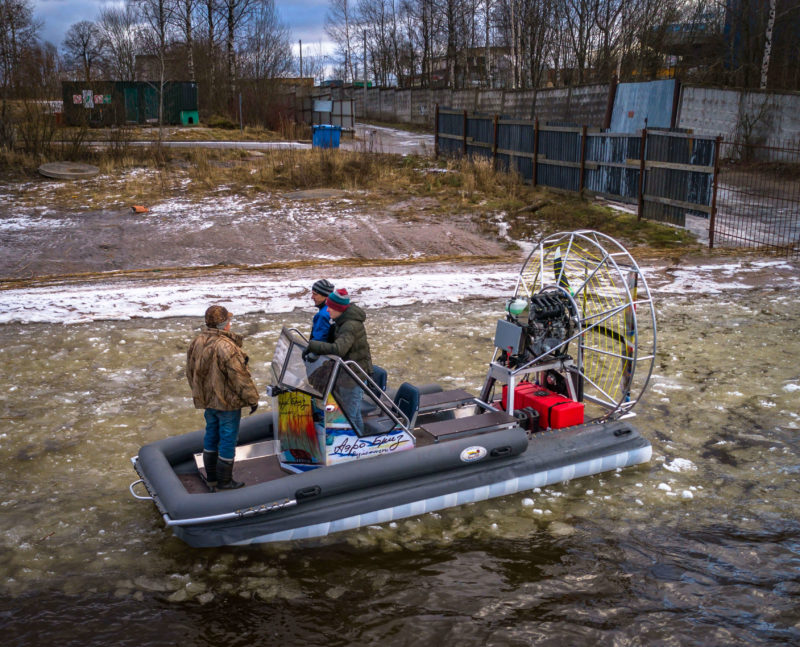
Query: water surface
point(700, 546)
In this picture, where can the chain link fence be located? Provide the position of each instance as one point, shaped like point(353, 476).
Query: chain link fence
point(757, 199)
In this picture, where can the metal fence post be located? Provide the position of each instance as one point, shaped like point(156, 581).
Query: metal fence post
point(535, 148)
point(494, 142)
point(640, 206)
point(712, 218)
point(436, 132)
point(464, 130)
point(583, 160)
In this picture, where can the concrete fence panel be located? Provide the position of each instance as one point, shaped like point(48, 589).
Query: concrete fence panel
point(403, 104)
point(519, 104)
point(422, 109)
point(373, 107)
point(490, 101)
point(752, 117)
point(464, 100)
point(388, 105)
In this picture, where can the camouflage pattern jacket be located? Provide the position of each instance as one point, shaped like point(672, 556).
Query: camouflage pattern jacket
point(216, 368)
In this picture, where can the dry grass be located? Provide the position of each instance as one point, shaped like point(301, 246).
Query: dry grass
point(182, 134)
point(147, 175)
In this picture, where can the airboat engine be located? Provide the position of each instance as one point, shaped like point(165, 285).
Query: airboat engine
point(548, 320)
point(580, 327)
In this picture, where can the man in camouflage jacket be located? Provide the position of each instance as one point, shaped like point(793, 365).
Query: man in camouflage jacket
point(216, 368)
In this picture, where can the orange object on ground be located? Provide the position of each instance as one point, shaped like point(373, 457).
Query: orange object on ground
point(137, 208)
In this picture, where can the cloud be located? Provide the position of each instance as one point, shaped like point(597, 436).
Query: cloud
point(305, 18)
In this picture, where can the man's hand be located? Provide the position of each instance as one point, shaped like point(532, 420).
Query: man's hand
point(253, 409)
point(305, 354)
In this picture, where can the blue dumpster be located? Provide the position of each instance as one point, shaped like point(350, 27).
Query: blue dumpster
point(326, 136)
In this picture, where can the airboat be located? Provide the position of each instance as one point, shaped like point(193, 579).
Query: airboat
point(573, 353)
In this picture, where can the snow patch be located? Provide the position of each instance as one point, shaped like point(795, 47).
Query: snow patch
point(680, 465)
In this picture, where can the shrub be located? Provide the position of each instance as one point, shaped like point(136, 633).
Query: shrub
point(218, 121)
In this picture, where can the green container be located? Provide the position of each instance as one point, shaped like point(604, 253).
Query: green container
point(189, 117)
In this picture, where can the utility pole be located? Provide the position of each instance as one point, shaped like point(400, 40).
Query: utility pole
point(301, 58)
point(365, 72)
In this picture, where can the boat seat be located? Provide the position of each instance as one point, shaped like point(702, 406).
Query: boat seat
point(490, 421)
point(407, 400)
point(379, 376)
point(444, 400)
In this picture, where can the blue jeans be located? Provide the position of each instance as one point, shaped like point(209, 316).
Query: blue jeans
point(350, 401)
point(222, 428)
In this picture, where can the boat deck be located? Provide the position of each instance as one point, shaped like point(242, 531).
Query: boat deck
point(258, 463)
point(255, 463)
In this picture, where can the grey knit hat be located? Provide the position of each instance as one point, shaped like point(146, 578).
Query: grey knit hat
point(323, 287)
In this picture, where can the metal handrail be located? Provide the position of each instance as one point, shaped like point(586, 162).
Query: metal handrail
point(392, 409)
point(136, 496)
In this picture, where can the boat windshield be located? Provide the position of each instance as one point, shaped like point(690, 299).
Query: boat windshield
point(292, 372)
point(326, 375)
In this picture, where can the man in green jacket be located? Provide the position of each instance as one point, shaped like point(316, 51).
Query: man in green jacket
point(349, 343)
point(216, 368)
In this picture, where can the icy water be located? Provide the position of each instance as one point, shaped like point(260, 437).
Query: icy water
point(699, 547)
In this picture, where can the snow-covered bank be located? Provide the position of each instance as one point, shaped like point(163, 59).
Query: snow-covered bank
point(380, 288)
point(188, 297)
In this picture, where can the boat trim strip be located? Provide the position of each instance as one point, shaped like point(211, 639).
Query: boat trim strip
point(473, 495)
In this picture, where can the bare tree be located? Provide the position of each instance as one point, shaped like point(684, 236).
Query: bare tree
point(158, 18)
point(340, 25)
point(314, 62)
point(184, 24)
point(18, 35)
point(608, 20)
point(237, 13)
point(119, 27)
point(409, 54)
point(84, 47)
point(43, 68)
point(773, 16)
point(267, 53)
point(205, 55)
point(379, 26)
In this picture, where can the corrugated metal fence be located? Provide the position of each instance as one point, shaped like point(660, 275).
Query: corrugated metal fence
point(672, 177)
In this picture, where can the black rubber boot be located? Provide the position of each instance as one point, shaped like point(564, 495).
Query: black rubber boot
point(210, 463)
point(225, 475)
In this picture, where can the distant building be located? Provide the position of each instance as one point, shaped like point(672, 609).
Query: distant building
point(475, 67)
point(106, 103)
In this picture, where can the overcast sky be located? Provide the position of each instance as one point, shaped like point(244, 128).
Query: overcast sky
point(305, 19)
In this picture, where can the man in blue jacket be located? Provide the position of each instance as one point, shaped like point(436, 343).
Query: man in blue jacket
point(321, 325)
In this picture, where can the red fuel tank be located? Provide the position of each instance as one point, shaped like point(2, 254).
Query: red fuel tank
point(555, 410)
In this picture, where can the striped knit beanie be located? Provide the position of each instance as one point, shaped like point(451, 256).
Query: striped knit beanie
point(338, 300)
point(322, 287)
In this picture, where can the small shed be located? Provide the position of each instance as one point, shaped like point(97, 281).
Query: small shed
point(106, 103)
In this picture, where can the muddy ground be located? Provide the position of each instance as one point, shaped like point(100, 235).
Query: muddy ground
point(320, 225)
